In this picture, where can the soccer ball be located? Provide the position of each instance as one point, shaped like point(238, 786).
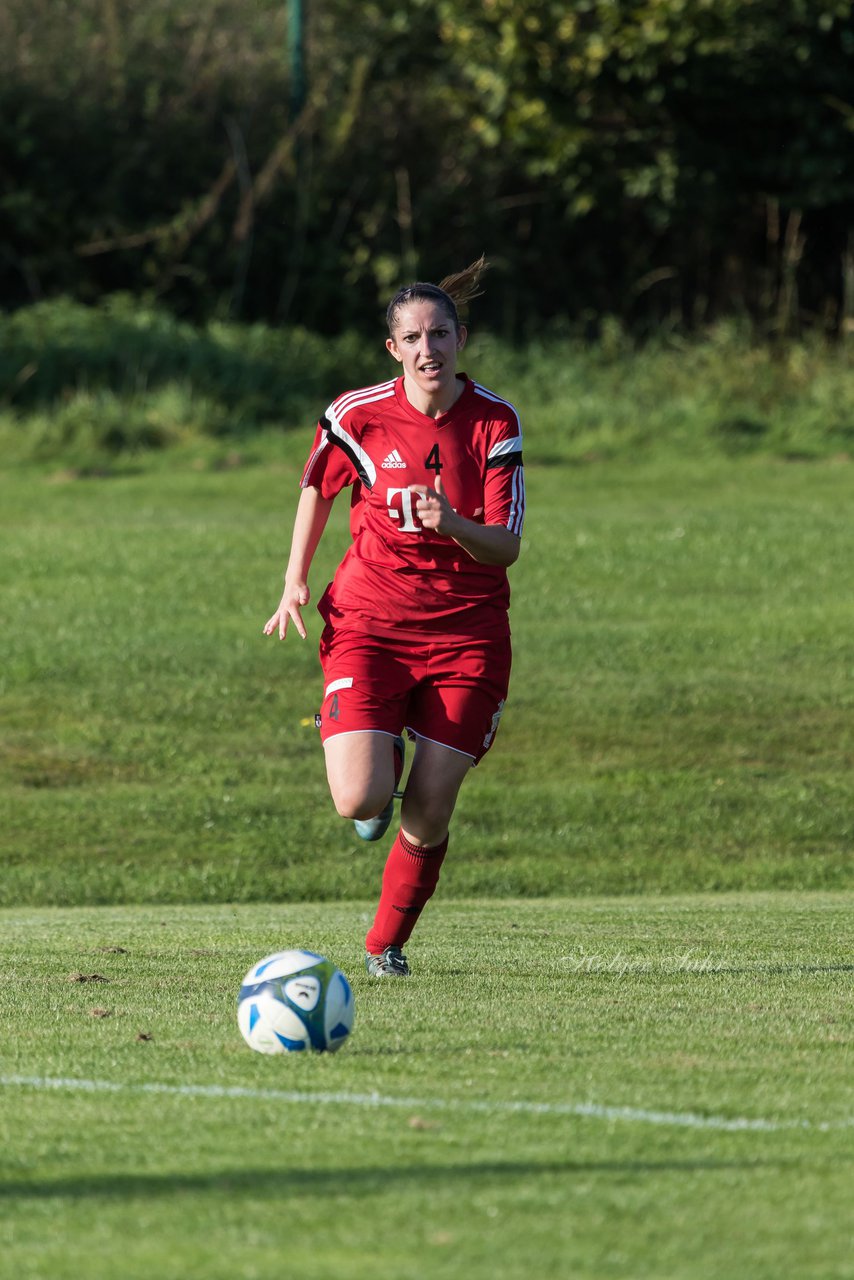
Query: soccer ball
point(295, 1000)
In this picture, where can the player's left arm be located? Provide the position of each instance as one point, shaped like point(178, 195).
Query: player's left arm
point(496, 538)
point(486, 543)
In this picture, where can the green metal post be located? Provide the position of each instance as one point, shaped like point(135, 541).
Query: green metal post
point(296, 42)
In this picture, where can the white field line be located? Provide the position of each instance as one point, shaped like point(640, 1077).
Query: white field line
point(587, 1110)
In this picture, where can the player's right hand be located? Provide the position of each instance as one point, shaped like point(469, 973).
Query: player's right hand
point(292, 601)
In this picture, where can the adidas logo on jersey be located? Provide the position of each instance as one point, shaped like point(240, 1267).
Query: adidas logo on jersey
point(393, 462)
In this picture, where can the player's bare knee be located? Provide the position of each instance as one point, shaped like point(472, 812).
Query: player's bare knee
point(356, 803)
point(427, 825)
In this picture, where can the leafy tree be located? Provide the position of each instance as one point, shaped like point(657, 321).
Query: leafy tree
point(651, 159)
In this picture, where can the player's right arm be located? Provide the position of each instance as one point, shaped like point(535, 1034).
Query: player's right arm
point(311, 517)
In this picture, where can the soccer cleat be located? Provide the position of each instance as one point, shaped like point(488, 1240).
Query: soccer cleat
point(375, 828)
point(390, 963)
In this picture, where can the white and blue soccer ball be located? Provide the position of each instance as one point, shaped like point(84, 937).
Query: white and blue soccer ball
point(295, 1000)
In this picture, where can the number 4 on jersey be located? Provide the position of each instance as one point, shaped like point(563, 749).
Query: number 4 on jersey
point(433, 460)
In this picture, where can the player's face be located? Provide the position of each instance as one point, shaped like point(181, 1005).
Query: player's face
point(426, 343)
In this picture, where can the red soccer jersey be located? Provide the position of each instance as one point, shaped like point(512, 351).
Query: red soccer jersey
point(399, 578)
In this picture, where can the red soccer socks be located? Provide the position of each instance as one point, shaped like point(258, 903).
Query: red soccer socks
point(409, 881)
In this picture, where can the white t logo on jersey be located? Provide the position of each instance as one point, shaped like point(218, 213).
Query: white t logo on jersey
point(405, 512)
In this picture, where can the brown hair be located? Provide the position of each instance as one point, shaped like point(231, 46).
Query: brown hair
point(454, 292)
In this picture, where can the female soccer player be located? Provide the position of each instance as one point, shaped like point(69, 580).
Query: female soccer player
point(417, 635)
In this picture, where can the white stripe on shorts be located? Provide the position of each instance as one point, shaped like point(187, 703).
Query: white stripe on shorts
point(346, 682)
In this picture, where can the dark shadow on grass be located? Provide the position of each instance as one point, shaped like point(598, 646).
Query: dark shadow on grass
point(359, 1182)
point(107, 471)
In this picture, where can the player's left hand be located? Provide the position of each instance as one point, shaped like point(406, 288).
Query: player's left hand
point(433, 508)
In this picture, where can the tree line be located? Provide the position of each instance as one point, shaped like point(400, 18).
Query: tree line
point(654, 161)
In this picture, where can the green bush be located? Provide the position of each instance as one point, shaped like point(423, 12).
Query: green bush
point(122, 376)
point(86, 384)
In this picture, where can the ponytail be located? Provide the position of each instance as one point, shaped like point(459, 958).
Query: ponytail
point(455, 291)
point(462, 286)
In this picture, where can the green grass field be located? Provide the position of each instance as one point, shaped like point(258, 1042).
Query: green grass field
point(626, 1048)
point(679, 719)
point(623, 1087)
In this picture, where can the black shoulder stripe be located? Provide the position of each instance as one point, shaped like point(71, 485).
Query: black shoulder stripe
point(332, 437)
point(505, 460)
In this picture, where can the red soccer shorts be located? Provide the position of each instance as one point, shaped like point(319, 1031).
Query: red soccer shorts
point(449, 692)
